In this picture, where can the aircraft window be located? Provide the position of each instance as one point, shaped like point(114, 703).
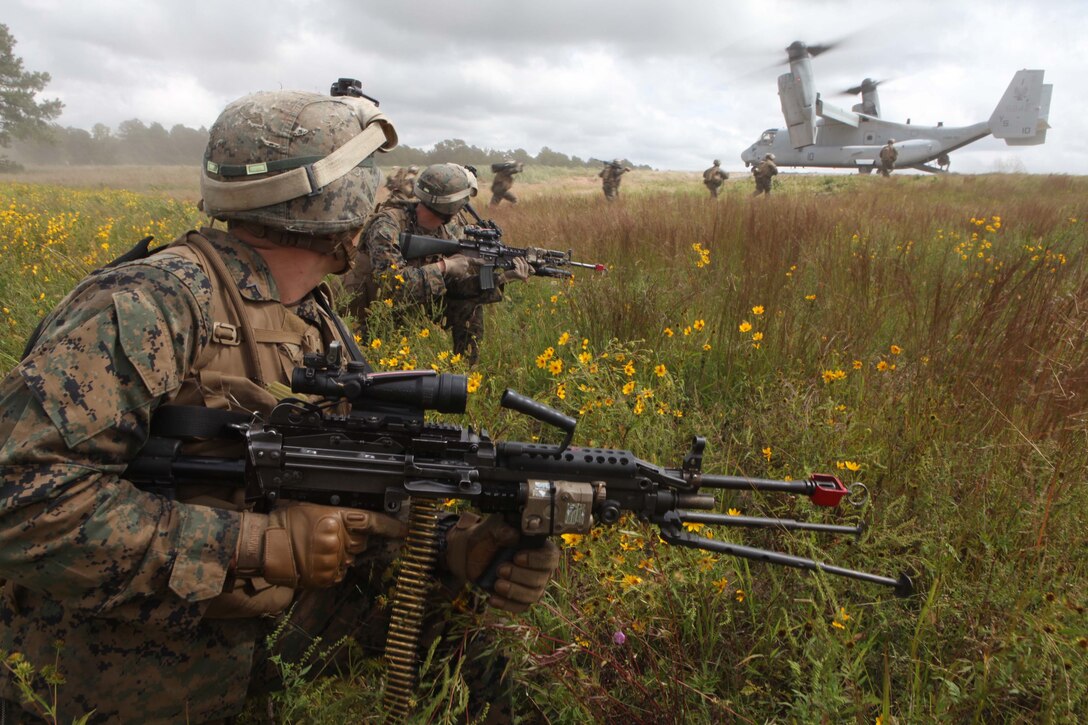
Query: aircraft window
point(767, 138)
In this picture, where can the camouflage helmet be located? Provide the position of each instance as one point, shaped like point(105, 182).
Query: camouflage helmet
point(891, 141)
point(413, 169)
point(717, 162)
point(445, 188)
point(769, 157)
point(295, 161)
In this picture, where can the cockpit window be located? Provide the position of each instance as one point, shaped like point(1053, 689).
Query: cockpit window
point(767, 139)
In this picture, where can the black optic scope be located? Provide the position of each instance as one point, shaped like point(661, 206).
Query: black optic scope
point(414, 389)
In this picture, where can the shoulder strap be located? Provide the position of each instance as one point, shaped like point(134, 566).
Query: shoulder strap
point(194, 421)
point(203, 247)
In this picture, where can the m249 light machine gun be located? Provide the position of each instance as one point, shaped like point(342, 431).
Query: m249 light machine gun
point(381, 454)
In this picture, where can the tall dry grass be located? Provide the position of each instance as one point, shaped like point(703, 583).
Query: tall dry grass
point(926, 336)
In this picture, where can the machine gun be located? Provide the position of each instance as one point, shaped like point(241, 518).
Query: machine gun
point(381, 454)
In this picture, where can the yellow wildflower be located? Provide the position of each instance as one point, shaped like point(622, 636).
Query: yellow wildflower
point(563, 339)
point(767, 453)
point(832, 375)
point(660, 371)
point(757, 310)
point(474, 381)
point(744, 326)
point(699, 324)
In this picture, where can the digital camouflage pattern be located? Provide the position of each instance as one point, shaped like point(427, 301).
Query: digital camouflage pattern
point(713, 178)
point(611, 177)
point(445, 188)
point(764, 172)
point(124, 578)
point(419, 282)
point(276, 126)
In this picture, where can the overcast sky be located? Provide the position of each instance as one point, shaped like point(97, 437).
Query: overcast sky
point(670, 84)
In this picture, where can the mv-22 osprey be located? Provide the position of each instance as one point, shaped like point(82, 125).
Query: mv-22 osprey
point(820, 134)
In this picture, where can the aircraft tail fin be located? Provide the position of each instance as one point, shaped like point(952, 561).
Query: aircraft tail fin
point(1021, 116)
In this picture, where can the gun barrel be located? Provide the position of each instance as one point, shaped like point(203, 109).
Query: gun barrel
point(596, 267)
point(823, 488)
point(742, 483)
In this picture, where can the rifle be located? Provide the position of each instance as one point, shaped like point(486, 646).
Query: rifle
point(483, 241)
point(383, 455)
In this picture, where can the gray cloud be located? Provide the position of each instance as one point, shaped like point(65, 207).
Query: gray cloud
point(672, 85)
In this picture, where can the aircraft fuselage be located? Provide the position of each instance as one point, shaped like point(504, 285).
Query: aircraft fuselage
point(844, 147)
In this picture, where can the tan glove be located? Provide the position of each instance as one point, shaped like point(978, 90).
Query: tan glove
point(521, 272)
point(306, 546)
point(458, 266)
point(473, 543)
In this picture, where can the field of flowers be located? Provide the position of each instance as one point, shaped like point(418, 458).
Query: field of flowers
point(925, 336)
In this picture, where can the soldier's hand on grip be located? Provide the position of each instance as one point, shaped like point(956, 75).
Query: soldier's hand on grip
point(521, 271)
point(472, 545)
point(306, 546)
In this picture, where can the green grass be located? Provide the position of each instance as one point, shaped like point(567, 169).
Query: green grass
point(945, 358)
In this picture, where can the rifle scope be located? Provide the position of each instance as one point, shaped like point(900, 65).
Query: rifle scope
point(420, 389)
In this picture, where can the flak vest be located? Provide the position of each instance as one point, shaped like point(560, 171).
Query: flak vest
point(252, 343)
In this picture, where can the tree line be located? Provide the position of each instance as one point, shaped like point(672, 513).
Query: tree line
point(137, 143)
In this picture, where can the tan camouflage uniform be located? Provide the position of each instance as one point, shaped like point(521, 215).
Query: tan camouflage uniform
point(764, 172)
point(381, 272)
point(611, 177)
point(502, 183)
point(400, 183)
point(713, 178)
point(888, 157)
